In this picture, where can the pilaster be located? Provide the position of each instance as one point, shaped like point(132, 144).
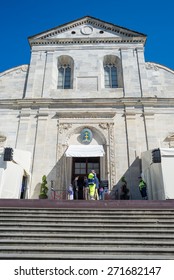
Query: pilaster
point(130, 117)
point(151, 135)
point(142, 71)
point(130, 72)
point(22, 132)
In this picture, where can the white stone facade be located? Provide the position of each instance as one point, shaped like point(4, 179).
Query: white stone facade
point(134, 117)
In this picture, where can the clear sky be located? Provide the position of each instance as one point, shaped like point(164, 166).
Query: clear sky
point(22, 19)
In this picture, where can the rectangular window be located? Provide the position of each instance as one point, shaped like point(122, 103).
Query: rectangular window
point(110, 75)
point(60, 77)
point(64, 77)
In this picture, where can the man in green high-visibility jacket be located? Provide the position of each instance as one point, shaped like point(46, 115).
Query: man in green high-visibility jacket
point(91, 184)
point(143, 188)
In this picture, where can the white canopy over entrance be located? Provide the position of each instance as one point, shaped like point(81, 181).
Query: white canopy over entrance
point(85, 151)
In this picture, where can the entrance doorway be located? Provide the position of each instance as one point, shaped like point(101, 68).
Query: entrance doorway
point(81, 167)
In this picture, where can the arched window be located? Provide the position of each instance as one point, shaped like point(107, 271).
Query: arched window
point(112, 71)
point(65, 72)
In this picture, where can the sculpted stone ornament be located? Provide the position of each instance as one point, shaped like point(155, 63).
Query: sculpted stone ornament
point(153, 66)
point(86, 30)
point(86, 136)
point(104, 125)
point(64, 126)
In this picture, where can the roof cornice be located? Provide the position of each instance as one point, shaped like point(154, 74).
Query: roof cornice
point(94, 102)
point(79, 41)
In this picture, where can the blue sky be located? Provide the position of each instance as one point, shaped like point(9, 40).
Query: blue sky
point(21, 19)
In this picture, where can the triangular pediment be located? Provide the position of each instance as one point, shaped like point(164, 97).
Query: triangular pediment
point(86, 29)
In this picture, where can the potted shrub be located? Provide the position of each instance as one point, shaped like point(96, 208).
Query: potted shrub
point(43, 188)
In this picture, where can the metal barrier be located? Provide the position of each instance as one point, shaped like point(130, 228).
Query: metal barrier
point(58, 194)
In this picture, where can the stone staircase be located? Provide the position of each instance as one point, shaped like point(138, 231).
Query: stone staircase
point(86, 230)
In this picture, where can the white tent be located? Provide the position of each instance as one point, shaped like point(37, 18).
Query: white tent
point(159, 176)
point(12, 172)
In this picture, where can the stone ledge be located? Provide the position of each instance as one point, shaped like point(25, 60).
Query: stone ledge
point(106, 204)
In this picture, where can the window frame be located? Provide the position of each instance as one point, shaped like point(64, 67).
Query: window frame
point(110, 76)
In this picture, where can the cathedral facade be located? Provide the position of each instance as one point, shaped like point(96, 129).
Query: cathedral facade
point(87, 100)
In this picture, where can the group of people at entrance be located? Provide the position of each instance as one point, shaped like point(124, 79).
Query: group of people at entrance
point(91, 188)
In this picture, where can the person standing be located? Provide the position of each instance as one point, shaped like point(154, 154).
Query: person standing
point(85, 188)
point(124, 193)
point(96, 181)
point(70, 192)
point(101, 193)
point(91, 184)
point(76, 187)
point(143, 188)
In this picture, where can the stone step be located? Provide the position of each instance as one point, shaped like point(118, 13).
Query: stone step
point(76, 230)
point(85, 242)
point(84, 227)
point(94, 236)
point(86, 249)
point(78, 256)
point(94, 211)
point(119, 204)
point(90, 230)
point(84, 221)
point(90, 225)
point(142, 216)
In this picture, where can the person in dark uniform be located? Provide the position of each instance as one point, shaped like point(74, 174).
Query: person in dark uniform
point(76, 187)
point(124, 194)
point(143, 188)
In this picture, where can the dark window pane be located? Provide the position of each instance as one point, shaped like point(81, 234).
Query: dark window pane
point(110, 73)
point(64, 78)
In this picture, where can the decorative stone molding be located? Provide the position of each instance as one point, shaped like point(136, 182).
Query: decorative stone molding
point(2, 138)
point(112, 153)
point(155, 66)
point(64, 127)
point(171, 144)
point(170, 140)
point(109, 134)
point(103, 125)
point(24, 113)
point(17, 70)
point(148, 115)
point(81, 41)
point(85, 115)
point(23, 68)
point(130, 115)
point(152, 66)
point(2, 141)
point(86, 30)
